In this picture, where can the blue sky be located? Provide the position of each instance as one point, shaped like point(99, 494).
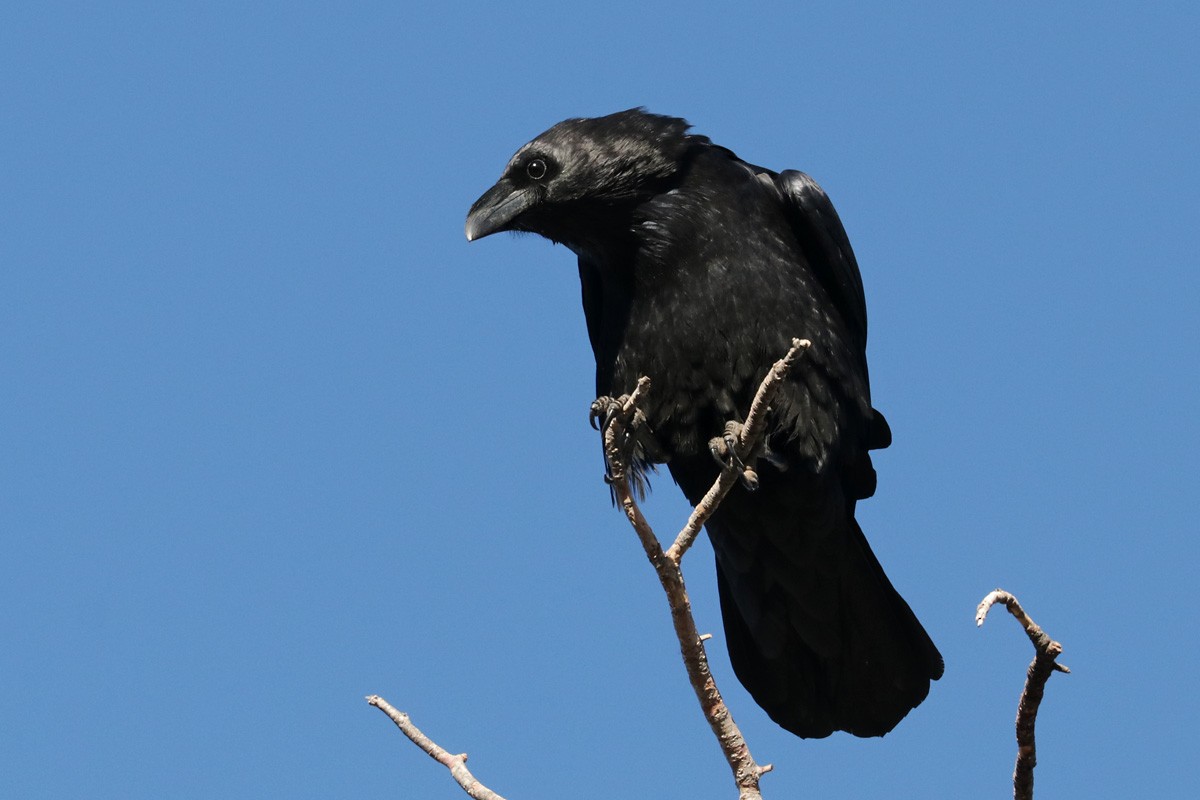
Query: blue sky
point(274, 436)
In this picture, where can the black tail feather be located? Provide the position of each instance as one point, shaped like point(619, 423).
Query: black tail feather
point(816, 632)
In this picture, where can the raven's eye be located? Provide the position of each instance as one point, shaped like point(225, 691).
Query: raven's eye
point(536, 169)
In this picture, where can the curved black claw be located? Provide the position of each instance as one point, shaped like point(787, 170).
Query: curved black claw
point(724, 449)
point(605, 408)
point(637, 428)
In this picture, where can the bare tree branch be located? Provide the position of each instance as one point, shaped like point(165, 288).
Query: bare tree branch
point(749, 440)
point(1044, 662)
point(457, 764)
point(746, 772)
point(744, 443)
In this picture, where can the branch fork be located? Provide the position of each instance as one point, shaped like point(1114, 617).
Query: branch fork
point(746, 771)
point(745, 441)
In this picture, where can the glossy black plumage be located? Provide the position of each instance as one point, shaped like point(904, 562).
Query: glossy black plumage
point(698, 269)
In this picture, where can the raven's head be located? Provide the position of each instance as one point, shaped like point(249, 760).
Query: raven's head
point(575, 179)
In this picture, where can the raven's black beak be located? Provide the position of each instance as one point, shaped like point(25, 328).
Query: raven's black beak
point(498, 209)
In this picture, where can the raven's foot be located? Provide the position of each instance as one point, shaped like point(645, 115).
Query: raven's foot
point(724, 449)
point(605, 409)
point(638, 447)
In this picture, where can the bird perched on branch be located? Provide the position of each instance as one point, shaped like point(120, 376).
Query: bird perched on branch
point(697, 270)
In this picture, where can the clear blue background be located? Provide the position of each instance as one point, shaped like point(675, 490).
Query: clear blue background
point(273, 436)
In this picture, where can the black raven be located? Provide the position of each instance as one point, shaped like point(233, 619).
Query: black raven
point(697, 270)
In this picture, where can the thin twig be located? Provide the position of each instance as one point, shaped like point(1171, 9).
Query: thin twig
point(455, 763)
point(748, 442)
point(1044, 662)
